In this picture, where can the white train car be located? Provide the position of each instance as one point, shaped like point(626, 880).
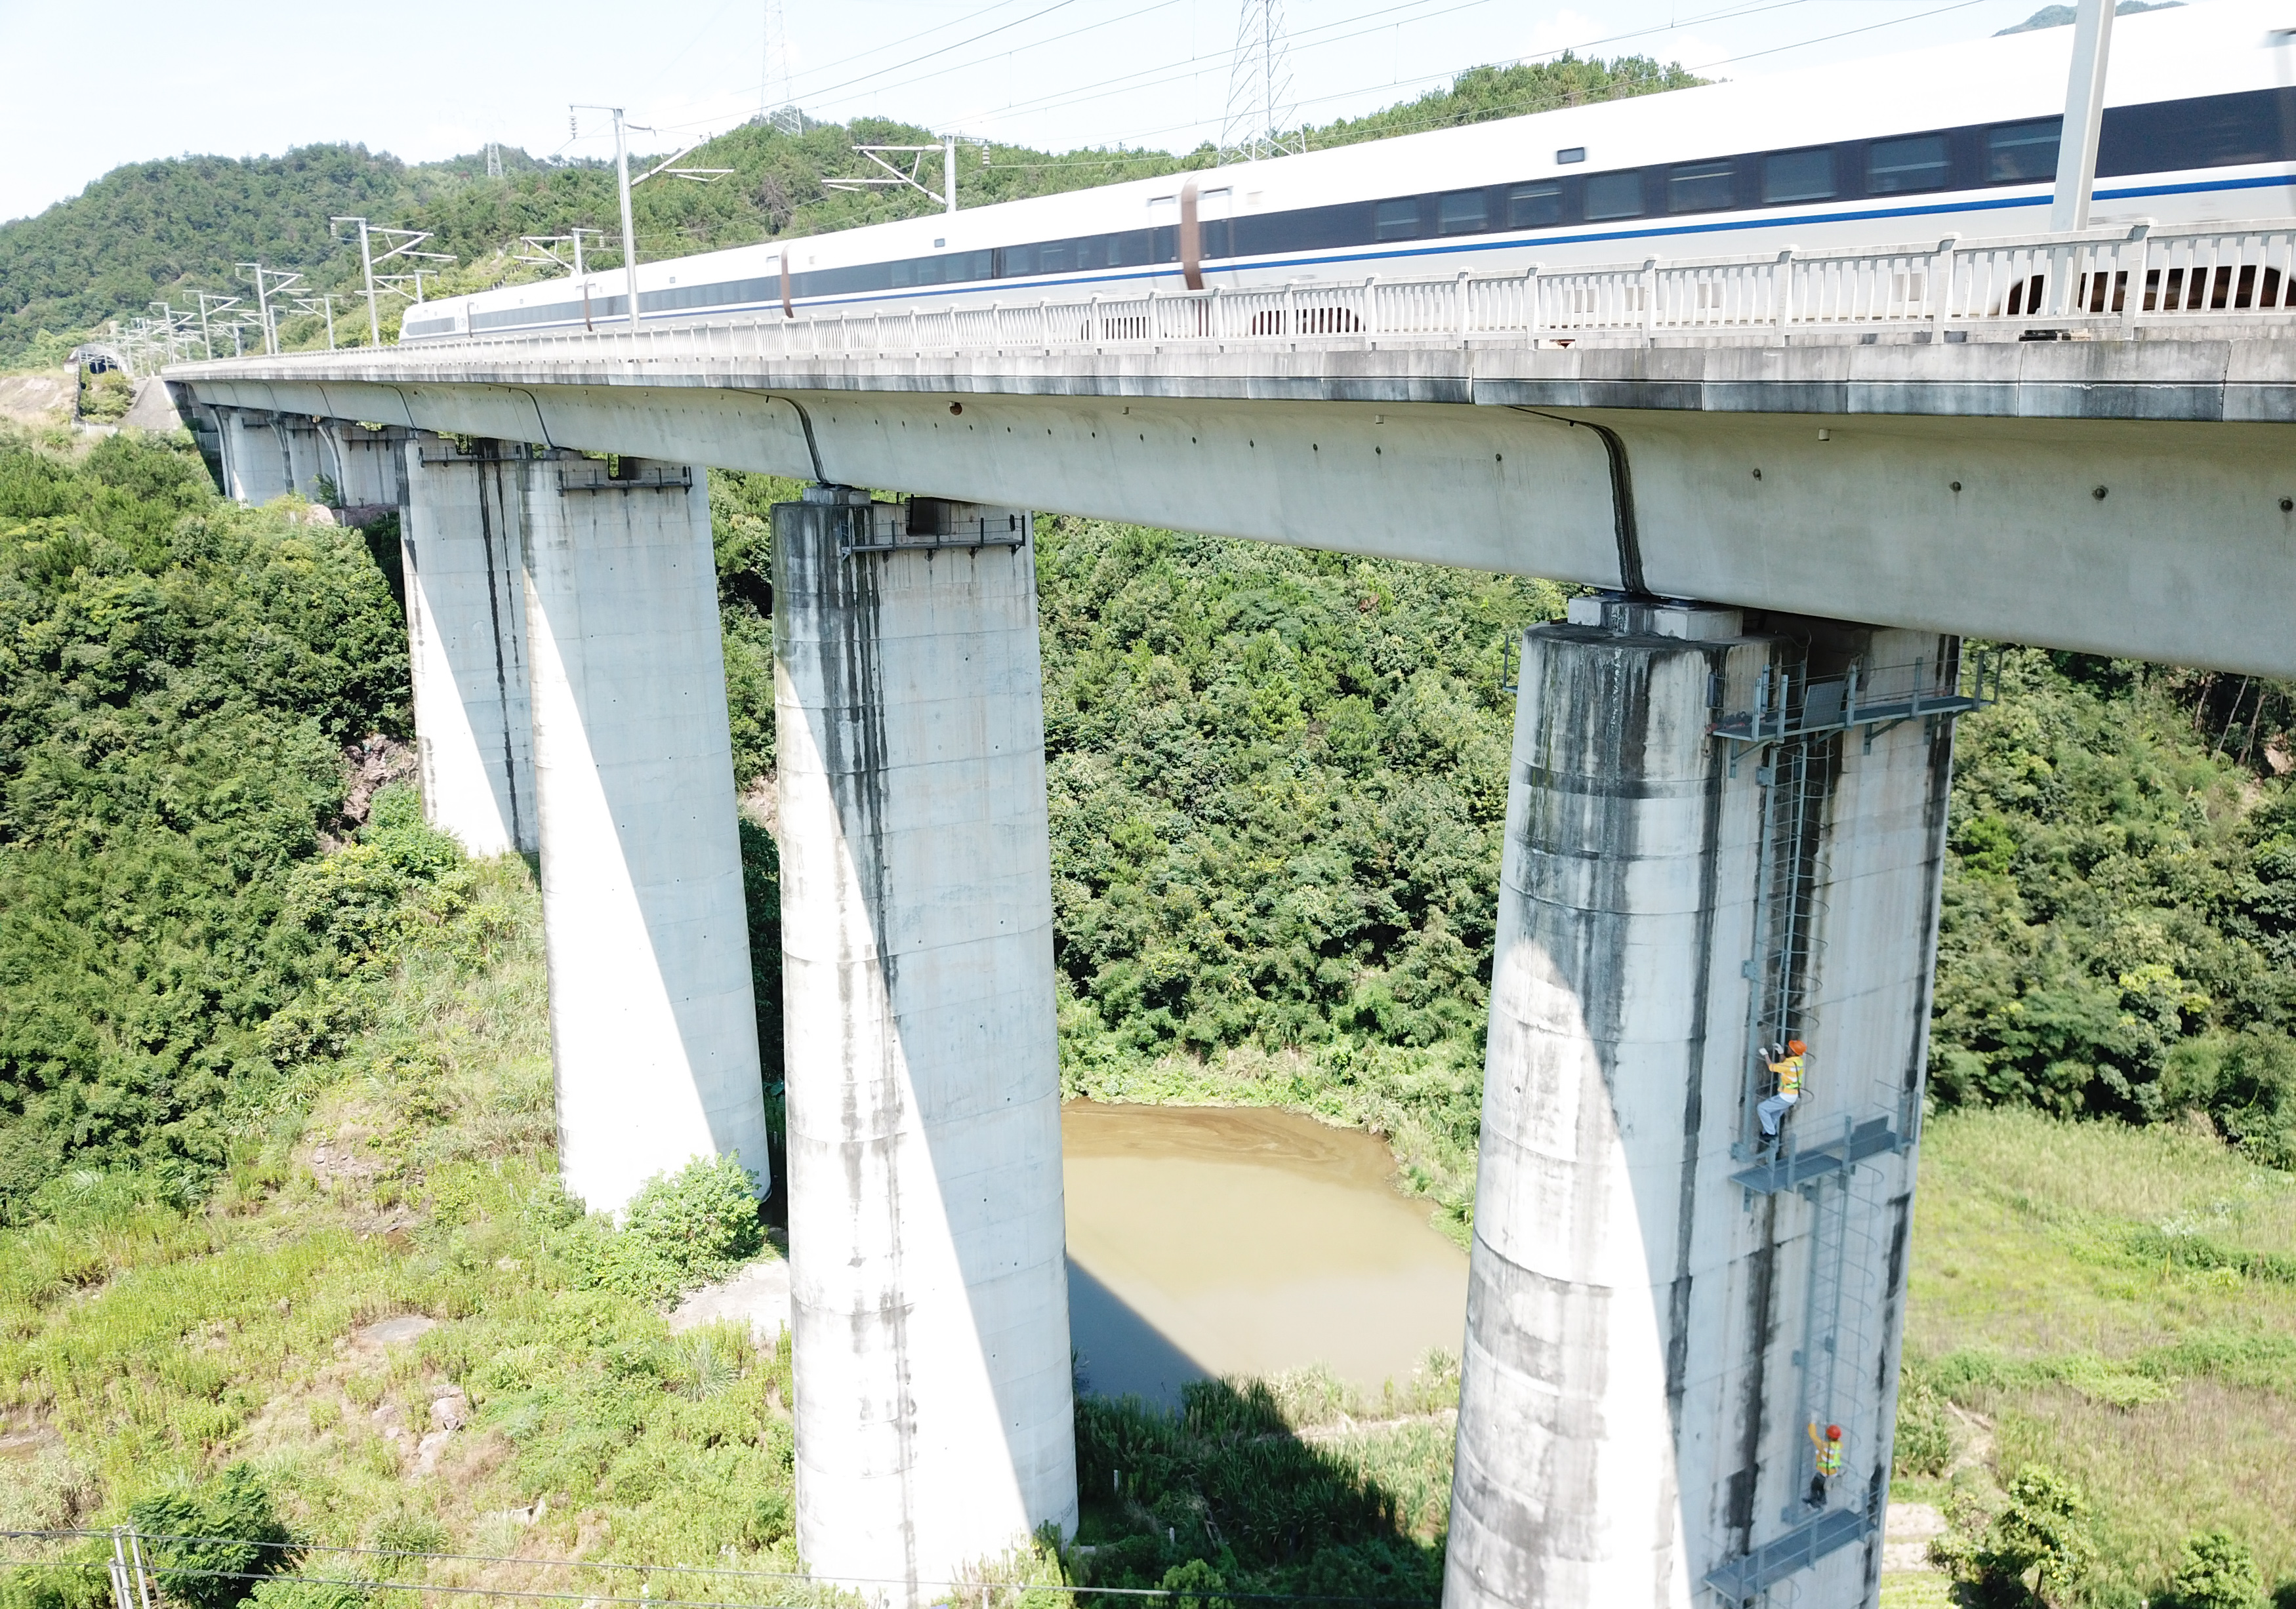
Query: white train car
point(2200, 126)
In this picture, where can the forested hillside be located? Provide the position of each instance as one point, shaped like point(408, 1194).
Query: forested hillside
point(166, 227)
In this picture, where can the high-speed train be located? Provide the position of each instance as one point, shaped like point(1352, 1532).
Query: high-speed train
point(2199, 125)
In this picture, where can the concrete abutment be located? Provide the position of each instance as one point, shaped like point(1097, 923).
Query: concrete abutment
point(929, 1284)
point(1661, 1306)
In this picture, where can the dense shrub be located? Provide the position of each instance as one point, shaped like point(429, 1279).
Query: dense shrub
point(2120, 925)
point(1923, 1444)
point(1278, 786)
point(209, 1546)
point(680, 1230)
point(1224, 1478)
point(177, 679)
point(2217, 1571)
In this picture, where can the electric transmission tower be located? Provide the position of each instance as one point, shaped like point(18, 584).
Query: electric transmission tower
point(494, 159)
point(1259, 106)
point(774, 107)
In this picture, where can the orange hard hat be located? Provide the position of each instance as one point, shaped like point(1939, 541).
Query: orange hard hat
point(1796, 1045)
point(1833, 1432)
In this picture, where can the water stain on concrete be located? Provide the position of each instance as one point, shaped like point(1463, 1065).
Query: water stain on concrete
point(1222, 1240)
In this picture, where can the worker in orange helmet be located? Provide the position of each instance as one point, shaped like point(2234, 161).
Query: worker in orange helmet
point(1829, 1461)
point(1787, 1068)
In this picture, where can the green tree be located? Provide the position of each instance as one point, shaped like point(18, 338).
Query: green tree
point(2040, 1548)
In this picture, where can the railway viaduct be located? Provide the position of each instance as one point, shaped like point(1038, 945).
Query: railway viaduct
point(1794, 486)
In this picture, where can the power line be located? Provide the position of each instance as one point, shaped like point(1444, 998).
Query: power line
point(960, 45)
point(1535, 103)
point(1824, 38)
point(1074, 94)
point(860, 55)
point(1155, 6)
point(1308, 41)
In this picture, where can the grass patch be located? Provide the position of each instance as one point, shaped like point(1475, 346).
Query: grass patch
point(157, 1343)
point(2107, 1301)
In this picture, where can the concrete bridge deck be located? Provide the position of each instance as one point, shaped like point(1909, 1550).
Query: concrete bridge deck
point(2119, 495)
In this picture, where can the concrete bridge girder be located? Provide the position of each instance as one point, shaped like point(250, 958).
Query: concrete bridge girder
point(1986, 526)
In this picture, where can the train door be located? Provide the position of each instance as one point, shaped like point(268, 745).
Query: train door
point(1191, 231)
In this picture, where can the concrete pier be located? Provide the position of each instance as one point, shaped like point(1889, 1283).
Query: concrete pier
point(254, 463)
point(1660, 1307)
point(307, 457)
point(367, 465)
point(460, 538)
point(929, 1295)
point(653, 1025)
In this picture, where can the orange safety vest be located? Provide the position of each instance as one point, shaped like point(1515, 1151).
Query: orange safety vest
point(1789, 1073)
point(1829, 1455)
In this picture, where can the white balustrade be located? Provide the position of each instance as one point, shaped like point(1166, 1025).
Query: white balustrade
point(2108, 281)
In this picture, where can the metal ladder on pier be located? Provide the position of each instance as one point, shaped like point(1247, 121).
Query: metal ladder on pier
point(1790, 730)
point(1795, 730)
point(1795, 776)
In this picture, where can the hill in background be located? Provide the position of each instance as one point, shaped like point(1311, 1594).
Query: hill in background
point(167, 227)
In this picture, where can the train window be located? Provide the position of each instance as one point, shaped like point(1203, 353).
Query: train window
point(1895, 166)
point(1534, 206)
point(1615, 195)
point(1798, 175)
point(1018, 262)
point(2219, 131)
point(1396, 219)
point(1462, 212)
point(1570, 154)
point(1700, 186)
point(1053, 257)
point(2021, 150)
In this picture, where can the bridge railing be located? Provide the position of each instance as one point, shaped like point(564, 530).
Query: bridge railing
point(2103, 281)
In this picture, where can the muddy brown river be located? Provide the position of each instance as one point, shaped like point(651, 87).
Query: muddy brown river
point(1223, 1240)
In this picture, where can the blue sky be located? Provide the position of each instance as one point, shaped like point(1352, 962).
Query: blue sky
point(97, 83)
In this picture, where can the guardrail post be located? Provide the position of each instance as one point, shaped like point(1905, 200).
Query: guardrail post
point(1530, 303)
point(1650, 299)
point(2132, 295)
point(1782, 291)
point(120, 1599)
point(1371, 304)
point(1941, 288)
point(1466, 313)
point(135, 1568)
